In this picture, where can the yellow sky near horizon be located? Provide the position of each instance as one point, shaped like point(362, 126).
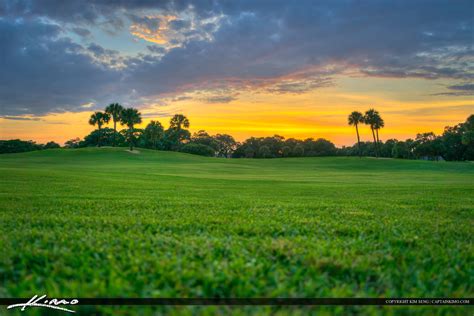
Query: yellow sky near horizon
point(408, 106)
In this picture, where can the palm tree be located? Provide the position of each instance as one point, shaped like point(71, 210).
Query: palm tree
point(179, 120)
point(379, 123)
point(99, 119)
point(153, 132)
point(130, 117)
point(355, 118)
point(114, 110)
point(371, 118)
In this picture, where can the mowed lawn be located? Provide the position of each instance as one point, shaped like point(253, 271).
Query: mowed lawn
point(109, 223)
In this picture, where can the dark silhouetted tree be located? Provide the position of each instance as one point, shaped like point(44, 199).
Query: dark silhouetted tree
point(428, 146)
point(178, 121)
point(298, 150)
point(226, 145)
point(202, 137)
point(107, 138)
point(379, 123)
point(51, 145)
point(467, 138)
point(264, 152)
point(354, 119)
point(153, 135)
point(130, 117)
point(99, 119)
point(197, 149)
point(371, 118)
point(73, 143)
point(177, 134)
point(115, 111)
point(18, 146)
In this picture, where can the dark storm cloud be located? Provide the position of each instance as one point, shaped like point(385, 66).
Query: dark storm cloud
point(424, 39)
point(464, 87)
point(277, 46)
point(20, 118)
point(43, 72)
point(459, 90)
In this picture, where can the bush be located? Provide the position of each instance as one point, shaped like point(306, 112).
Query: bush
point(51, 145)
point(18, 146)
point(298, 151)
point(264, 152)
point(73, 143)
point(106, 138)
point(197, 149)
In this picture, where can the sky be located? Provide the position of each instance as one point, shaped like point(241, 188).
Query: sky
point(241, 67)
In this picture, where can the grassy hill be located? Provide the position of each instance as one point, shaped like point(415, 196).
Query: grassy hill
point(107, 222)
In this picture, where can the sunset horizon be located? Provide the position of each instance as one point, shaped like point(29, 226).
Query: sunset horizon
point(230, 72)
point(240, 157)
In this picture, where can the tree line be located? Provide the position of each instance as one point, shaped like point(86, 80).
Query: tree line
point(371, 118)
point(456, 142)
point(19, 146)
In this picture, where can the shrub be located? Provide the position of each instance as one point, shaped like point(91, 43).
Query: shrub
point(298, 151)
point(51, 145)
point(18, 146)
point(197, 149)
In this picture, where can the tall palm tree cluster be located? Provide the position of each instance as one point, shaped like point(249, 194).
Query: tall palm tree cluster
point(371, 118)
point(124, 116)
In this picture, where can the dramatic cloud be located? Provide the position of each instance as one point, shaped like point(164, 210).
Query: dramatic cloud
point(459, 90)
point(172, 31)
point(20, 118)
point(51, 61)
point(44, 72)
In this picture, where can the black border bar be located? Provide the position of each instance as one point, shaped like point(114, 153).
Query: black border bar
point(255, 301)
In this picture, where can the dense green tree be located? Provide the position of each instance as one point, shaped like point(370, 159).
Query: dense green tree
point(99, 119)
point(177, 134)
point(264, 152)
point(318, 147)
point(403, 149)
point(354, 119)
point(277, 146)
point(18, 146)
point(51, 145)
point(250, 152)
point(130, 117)
point(115, 111)
point(197, 149)
point(153, 135)
point(107, 138)
point(452, 136)
point(286, 151)
point(226, 145)
point(371, 118)
point(73, 143)
point(175, 138)
point(298, 150)
point(202, 137)
point(178, 121)
point(379, 123)
point(428, 146)
point(387, 147)
point(467, 138)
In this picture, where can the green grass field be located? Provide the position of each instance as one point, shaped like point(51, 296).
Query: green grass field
point(109, 223)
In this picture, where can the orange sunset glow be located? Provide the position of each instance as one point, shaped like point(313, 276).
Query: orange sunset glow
point(322, 113)
point(229, 74)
